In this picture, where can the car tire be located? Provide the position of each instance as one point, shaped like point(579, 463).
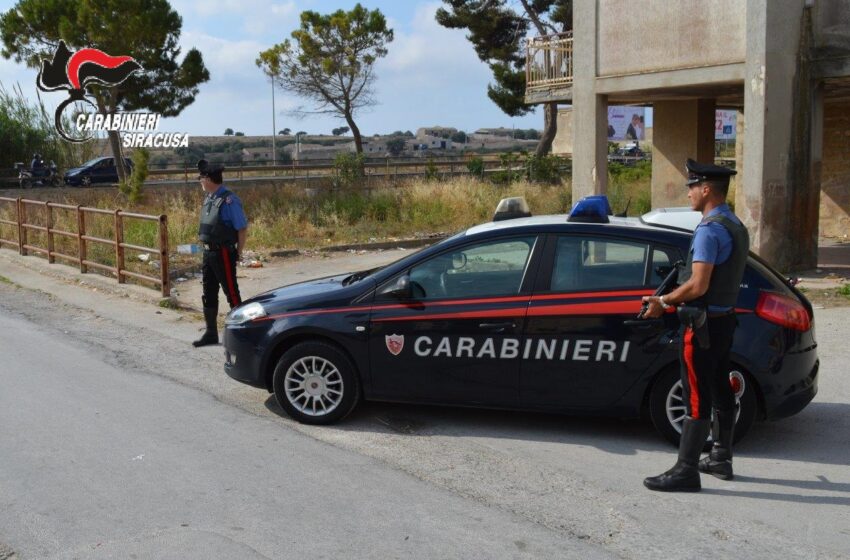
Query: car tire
point(316, 383)
point(85, 181)
point(666, 409)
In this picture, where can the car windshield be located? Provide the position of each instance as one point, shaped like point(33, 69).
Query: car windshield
point(357, 276)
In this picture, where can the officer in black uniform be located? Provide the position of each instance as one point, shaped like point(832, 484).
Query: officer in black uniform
point(222, 232)
point(706, 298)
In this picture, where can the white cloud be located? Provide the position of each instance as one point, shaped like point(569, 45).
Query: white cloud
point(253, 17)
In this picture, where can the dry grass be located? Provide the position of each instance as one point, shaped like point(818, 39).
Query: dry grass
point(287, 217)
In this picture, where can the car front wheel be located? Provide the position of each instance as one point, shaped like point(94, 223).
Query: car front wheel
point(316, 383)
point(667, 405)
point(85, 181)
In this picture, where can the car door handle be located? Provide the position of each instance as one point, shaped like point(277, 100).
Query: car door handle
point(643, 324)
point(498, 327)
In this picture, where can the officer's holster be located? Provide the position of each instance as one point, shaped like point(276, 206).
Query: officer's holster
point(697, 319)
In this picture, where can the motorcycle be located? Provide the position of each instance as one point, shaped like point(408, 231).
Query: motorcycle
point(45, 176)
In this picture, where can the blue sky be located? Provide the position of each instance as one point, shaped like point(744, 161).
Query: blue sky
point(431, 75)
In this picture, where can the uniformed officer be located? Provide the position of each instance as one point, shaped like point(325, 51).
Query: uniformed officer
point(710, 281)
point(222, 231)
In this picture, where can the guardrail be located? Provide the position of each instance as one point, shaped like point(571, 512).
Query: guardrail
point(549, 61)
point(388, 167)
point(46, 226)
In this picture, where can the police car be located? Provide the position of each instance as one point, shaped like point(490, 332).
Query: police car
point(534, 313)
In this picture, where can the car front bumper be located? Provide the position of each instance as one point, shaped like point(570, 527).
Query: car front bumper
point(242, 358)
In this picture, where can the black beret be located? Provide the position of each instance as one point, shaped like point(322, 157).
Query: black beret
point(207, 169)
point(706, 172)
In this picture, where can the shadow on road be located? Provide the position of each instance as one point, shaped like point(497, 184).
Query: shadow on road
point(816, 435)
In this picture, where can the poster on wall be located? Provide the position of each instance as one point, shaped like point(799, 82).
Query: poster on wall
point(626, 123)
point(724, 124)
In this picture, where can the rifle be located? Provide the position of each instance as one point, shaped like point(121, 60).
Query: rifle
point(664, 287)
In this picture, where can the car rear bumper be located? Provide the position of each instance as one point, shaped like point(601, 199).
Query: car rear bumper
point(793, 397)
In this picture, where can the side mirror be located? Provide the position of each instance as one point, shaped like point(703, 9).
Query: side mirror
point(401, 289)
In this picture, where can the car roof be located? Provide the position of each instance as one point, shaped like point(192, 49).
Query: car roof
point(652, 224)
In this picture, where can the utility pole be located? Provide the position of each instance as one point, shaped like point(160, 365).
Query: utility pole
point(274, 133)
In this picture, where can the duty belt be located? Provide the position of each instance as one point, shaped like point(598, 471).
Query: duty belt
point(214, 247)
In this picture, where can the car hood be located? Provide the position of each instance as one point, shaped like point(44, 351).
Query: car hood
point(74, 170)
point(316, 293)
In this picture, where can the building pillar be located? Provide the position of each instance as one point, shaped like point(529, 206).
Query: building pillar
point(590, 110)
point(680, 130)
point(780, 188)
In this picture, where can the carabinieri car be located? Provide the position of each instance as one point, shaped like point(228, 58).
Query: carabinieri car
point(534, 313)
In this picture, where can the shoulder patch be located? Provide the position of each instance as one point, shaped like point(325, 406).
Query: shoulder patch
point(228, 200)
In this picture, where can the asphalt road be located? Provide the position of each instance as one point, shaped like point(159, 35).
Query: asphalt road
point(92, 380)
point(103, 460)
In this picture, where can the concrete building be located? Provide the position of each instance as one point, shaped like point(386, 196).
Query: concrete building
point(784, 64)
point(439, 131)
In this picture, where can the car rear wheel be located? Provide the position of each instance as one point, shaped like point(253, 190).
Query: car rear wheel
point(667, 406)
point(316, 383)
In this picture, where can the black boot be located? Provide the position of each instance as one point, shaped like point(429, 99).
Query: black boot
point(684, 476)
point(719, 460)
point(210, 336)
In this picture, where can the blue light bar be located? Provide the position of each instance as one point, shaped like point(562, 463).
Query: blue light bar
point(593, 209)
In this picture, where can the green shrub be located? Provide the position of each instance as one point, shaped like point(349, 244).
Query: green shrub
point(543, 169)
point(132, 189)
point(476, 167)
point(431, 171)
point(349, 169)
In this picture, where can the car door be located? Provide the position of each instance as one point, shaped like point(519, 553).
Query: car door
point(586, 348)
point(457, 338)
point(102, 171)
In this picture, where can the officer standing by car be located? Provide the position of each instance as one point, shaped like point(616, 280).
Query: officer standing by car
point(222, 232)
point(706, 298)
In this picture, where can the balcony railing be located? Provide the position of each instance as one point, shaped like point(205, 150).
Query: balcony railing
point(549, 62)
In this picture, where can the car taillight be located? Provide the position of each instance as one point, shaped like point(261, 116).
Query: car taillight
point(783, 310)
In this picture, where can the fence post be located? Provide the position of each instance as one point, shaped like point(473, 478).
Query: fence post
point(186, 174)
point(81, 232)
point(50, 258)
point(22, 231)
point(163, 255)
point(119, 250)
point(18, 220)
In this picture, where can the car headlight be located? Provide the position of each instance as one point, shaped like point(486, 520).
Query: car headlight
point(245, 313)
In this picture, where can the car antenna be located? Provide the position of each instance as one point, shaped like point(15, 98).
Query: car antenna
point(625, 212)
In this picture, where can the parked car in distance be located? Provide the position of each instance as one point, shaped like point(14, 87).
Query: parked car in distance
point(97, 170)
point(628, 155)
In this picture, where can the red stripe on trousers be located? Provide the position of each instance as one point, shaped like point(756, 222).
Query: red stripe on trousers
point(230, 286)
point(692, 374)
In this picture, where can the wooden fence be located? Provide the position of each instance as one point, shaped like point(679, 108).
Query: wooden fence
point(40, 216)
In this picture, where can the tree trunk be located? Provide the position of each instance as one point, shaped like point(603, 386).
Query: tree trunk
point(114, 138)
point(117, 154)
point(550, 128)
point(358, 142)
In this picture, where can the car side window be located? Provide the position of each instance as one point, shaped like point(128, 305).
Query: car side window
point(662, 262)
point(592, 263)
point(492, 268)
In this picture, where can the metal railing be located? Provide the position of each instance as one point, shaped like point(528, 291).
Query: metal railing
point(549, 61)
point(24, 211)
point(311, 169)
